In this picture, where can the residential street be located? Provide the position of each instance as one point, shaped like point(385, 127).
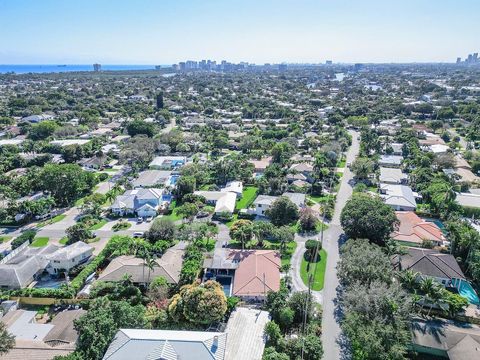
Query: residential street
point(331, 334)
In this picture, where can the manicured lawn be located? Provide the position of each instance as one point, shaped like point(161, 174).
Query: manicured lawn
point(318, 271)
point(79, 202)
point(98, 225)
point(342, 163)
point(249, 195)
point(4, 238)
point(120, 226)
point(40, 242)
point(408, 244)
point(173, 216)
point(63, 240)
point(319, 198)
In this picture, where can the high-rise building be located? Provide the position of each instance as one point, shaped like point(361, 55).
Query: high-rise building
point(459, 60)
point(328, 62)
point(97, 67)
point(282, 67)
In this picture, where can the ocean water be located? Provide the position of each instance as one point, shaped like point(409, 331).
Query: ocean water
point(25, 69)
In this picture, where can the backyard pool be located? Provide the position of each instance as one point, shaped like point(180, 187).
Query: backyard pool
point(437, 222)
point(226, 282)
point(467, 291)
point(172, 180)
point(48, 282)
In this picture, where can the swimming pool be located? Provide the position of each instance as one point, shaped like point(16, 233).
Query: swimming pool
point(466, 290)
point(173, 179)
point(226, 282)
point(50, 283)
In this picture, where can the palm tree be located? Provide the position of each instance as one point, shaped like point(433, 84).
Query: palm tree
point(151, 263)
point(432, 292)
point(110, 196)
point(409, 279)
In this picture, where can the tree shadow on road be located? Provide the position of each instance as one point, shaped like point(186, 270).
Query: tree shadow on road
point(342, 341)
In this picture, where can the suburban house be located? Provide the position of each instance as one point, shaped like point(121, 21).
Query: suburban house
point(468, 200)
point(150, 178)
point(67, 257)
point(235, 187)
point(167, 162)
point(166, 344)
point(445, 339)
point(305, 169)
point(392, 176)
point(25, 264)
point(393, 161)
point(430, 263)
point(143, 202)
point(37, 118)
point(38, 340)
point(93, 163)
point(263, 202)
point(248, 274)
point(399, 197)
point(224, 201)
point(414, 229)
point(463, 171)
point(438, 148)
point(261, 165)
point(397, 148)
point(168, 266)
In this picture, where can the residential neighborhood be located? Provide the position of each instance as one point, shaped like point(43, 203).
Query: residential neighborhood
point(231, 211)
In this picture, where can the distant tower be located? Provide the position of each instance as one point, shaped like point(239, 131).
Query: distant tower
point(328, 62)
point(97, 67)
point(459, 60)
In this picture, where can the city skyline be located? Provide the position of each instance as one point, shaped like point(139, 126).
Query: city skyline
point(149, 32)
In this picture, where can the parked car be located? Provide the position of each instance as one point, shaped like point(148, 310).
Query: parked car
point(149, 219)
point(139, 220)
point(138, 234)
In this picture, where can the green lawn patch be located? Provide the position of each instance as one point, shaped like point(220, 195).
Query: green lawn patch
point(318, 271)
point(249, 195)
point(408, 244)
point(320, 198)
point(4, 238)
point(63, 240)
point(98, 225)
point(342, 163)
point(40, 241)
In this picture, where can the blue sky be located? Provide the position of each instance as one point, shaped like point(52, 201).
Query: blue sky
point(168, 31)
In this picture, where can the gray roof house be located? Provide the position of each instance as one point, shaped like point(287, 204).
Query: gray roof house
point(399, 197)
point(168, 266)
point(446, 339)
point(429, 263)
point(390, 160)
point(149, 178)
point(38, 341)
point(143, 344)
point(263, 202)
point(392, 176)
point(23, 265)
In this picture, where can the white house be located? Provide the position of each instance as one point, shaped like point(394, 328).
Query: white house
point(390, 161)
point(224, 202)
point(68, 257)
point(392, 176)
point(143, 202)
point(399, 197)
point(263, 202)
point(167, 162)
point(235, 187)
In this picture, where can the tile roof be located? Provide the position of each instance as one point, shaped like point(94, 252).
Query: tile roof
point(414, 229)
point(257, 273)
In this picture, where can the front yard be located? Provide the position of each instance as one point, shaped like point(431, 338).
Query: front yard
point(40, 242)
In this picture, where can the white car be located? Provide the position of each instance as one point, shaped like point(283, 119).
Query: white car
point(138, 234)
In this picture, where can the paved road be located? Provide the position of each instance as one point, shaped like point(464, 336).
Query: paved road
point(331, 333)
point(166, 129)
